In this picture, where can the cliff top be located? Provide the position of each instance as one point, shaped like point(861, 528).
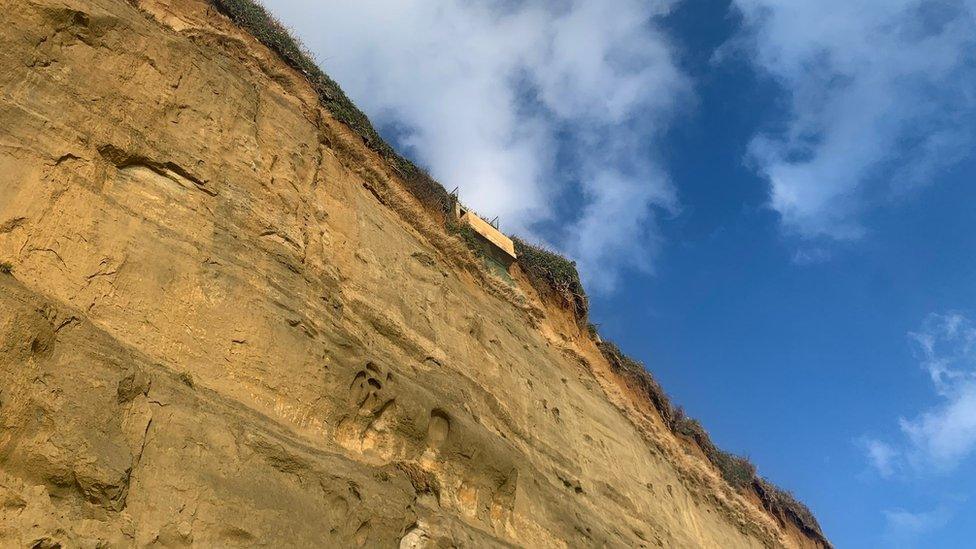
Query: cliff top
point(553, 275)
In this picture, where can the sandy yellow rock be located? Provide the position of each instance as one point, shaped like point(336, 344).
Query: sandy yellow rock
point(227, 325)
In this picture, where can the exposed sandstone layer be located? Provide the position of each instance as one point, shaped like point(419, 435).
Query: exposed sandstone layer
point(228, 325)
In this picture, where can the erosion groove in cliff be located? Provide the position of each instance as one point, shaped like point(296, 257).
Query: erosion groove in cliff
point(230, 321)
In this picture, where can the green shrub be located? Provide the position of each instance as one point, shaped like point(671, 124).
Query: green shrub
point(6, 267)
point(736, 470)
point(555, 272)
point(468, 236)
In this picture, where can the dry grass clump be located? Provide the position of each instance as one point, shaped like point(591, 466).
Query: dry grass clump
point(642, 380)
point(779, 501)
point(736, 470)
point(423, 481)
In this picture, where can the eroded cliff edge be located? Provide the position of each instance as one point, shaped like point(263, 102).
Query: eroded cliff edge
point(229, 324)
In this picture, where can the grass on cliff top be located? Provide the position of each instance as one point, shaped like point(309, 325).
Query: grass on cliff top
point(640, 378)
point(547, 270)
point(551, 270)
point(777, 499)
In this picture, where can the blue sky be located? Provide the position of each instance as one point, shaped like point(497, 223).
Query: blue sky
point(771, 201)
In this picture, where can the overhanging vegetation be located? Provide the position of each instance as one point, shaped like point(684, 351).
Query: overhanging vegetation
point(549, 270)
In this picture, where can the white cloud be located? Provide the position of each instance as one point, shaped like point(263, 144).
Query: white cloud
point(939, 439)
point(946, 346)
point(945, 436)
point(881, 456)
point(904, 528)
point(880, 97)
point(487, 93)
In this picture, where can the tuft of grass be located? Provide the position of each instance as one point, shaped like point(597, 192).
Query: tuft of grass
point(423, 481)
point(736, 470)
point(6, 267)
point(640, 378)
point(549, 270)
point(469, 236)
point(776, 500)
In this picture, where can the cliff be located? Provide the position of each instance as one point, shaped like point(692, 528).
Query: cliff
point(230, 320)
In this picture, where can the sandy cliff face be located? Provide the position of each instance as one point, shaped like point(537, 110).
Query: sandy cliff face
point(228, 325)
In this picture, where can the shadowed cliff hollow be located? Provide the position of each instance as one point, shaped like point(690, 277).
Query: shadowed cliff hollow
point(230, 315)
